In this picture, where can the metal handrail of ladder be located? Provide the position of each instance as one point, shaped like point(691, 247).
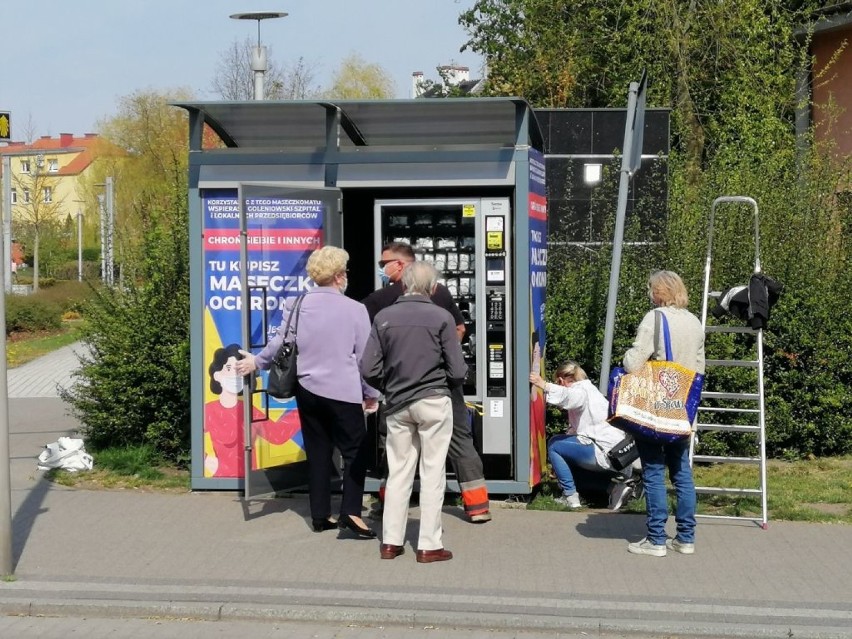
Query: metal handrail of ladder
point(760, 428)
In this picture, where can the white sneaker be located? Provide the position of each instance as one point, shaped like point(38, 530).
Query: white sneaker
point(679, 546)
point(618, 496)
point(645, 547)
point(569, 501)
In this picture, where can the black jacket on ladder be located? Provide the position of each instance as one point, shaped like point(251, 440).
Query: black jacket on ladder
point(751, 302)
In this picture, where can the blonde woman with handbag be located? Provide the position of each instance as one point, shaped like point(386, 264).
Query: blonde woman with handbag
point(668, 295)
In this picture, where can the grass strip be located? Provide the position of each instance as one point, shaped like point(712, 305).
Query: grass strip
point(813, 490)
point(34, 345)
point(132, 467)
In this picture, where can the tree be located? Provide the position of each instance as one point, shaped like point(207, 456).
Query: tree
point(37, 208)
point(132, 387)
point(727, 70)
point(706, 60)
point(133, 384)
point(356, 78)
point(300, 81)
point(234, 79)
point(146, 150)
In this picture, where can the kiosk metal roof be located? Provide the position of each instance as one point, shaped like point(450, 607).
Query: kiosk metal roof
point(267, 125)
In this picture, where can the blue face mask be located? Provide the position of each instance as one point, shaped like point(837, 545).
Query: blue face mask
point(384, 277)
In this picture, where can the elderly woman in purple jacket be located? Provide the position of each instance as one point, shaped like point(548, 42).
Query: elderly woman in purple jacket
point(331, 396)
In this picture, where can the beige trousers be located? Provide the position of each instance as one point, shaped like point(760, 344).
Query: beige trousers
point(420, 430)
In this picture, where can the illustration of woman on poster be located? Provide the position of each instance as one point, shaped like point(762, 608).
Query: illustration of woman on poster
point(224, 422)
point(538, 437)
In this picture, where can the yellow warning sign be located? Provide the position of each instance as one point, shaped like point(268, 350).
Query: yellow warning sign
point(5, 126)
point(494, 240)
point(468, 210)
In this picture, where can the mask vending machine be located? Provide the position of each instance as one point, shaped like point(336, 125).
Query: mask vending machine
point(468, 240)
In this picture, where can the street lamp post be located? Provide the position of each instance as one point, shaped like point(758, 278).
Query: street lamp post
point(106, 211)
point(6, 194)
point(79, 244)
point(79, 204)
point(5, 463)
point(102, 216)
point(110, 224)
point(258, 57)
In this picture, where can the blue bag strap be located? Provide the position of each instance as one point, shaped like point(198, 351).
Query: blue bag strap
point(663, 322)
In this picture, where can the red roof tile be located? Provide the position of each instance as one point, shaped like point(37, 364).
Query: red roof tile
point(66, 143)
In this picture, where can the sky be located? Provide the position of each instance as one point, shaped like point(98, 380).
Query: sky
point(67, 63)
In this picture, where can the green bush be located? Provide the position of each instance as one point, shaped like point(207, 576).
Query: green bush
point(133, 386)
point(31, 313)
point(69, 270)
point(67, 295)
point(808, 345)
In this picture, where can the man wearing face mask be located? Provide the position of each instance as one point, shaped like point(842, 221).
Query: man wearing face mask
point(331, 396)
point(462, 453)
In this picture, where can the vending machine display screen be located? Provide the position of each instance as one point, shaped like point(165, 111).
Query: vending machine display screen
point(495, 270)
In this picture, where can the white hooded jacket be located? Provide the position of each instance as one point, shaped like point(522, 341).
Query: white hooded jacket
point(587, 412)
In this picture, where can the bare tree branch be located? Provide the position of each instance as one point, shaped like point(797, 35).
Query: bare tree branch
point(234, 79)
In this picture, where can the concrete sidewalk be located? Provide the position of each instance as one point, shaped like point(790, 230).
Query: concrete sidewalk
point(213, 556)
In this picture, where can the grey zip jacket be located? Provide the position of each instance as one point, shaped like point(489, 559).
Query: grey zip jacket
point(413, 352)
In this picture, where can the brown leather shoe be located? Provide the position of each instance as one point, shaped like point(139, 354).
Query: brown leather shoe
point(389, 551)
point(428, 556)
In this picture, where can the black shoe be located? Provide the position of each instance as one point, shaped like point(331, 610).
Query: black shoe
point(346, 523)
point(323, 524)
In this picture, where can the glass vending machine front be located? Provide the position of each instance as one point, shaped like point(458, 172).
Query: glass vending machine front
point(467, 240)
point(443, 234)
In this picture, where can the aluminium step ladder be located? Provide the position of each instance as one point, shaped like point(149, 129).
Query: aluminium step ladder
point(727, 405)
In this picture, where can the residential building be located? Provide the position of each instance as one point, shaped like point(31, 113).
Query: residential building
point(452, 78)
point(45, 177)
point(54, 164)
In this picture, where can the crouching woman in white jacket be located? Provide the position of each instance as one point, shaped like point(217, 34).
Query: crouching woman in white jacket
point(588, 437)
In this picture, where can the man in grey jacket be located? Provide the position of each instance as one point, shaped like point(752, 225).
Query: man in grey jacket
point(413, 355)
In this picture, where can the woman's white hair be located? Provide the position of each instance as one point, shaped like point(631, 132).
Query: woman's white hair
point(419, 278)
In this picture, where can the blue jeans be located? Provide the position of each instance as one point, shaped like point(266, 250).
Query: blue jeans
point(655, 458)
point(563, 450)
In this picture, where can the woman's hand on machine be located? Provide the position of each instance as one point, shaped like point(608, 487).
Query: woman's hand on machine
point(246, 365)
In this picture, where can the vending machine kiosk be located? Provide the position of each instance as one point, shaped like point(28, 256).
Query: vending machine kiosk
point(461, 180)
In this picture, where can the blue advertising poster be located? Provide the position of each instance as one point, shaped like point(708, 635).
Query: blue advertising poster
point(281, 235)
point(537, 211)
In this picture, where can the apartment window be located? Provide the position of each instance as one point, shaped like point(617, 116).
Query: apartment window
point(14, 196)
point(27, 196)
point(48, 194)
point(25, 166)
point(53, 166)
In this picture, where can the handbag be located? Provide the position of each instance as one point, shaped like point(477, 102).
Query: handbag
point(623, 454)
point(283, 378)
point(660, 401)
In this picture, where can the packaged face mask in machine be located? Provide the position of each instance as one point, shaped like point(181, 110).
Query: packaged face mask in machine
point(452, 261)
